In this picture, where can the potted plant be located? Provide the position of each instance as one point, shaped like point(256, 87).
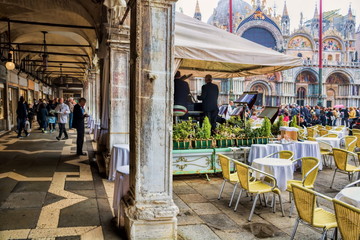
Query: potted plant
point(203, 135)
point(224, 136)
point(183, 132)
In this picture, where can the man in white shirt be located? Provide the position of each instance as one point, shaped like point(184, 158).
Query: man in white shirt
point(63, 112)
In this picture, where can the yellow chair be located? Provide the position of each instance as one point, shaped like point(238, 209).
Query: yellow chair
point(326, 151)
point(312, 132)
point(328, 127)
point(256, 186)
point(355, 131)
point(339, 128)
point(348, 220)
point(311, 139)
point(228, 177)
point(341, 164)
point(305, 202)
point(323, 132)
point(309, 171)
point(331, 135)
point(283, 154)
point(350, 143)
point(357, 140)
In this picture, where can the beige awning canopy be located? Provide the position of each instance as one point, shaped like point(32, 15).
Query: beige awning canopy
point(202, 49)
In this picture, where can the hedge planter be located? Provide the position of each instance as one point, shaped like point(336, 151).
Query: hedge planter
point(178, 145)
point(244, 142)
point(221, 143)
point(202, 144)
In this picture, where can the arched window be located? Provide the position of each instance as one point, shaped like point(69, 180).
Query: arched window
point(301, 93)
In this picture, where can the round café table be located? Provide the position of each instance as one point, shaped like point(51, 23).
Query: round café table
point(119, 157)
point(281, 169)
point(257, 151)
point(334, 142)
point(350, 195)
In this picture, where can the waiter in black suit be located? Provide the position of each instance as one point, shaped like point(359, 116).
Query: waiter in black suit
point(209, 97)
point(78, 123)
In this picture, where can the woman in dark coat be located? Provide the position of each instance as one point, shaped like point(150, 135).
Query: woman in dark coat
point(43, 113)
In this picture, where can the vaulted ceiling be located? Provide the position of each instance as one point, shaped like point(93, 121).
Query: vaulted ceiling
point(72, 28)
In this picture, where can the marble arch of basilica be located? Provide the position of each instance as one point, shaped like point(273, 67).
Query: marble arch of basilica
point(261, 24)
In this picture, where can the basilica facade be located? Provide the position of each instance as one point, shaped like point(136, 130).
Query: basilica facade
point(262, 24)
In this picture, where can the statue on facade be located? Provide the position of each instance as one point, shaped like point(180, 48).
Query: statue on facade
point(117, 10)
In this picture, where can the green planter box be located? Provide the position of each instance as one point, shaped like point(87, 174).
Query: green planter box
point(201, 144)
point(222, 143)
point(177, 145)
point(244, 142)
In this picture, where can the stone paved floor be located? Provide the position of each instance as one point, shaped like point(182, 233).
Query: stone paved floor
point(203, 216)
point(47, 192)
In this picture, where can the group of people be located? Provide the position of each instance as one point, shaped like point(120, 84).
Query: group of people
point(48, 113)
point(209, 96)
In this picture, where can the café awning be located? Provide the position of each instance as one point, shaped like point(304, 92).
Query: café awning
point(203, 49)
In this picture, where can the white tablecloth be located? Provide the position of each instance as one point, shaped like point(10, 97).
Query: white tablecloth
point(122, 186)
point(281, 169)
point(119, 157)
point(257, 151)
point(340, 134)
point(308, 149)
point(300, 149)
point(97, 131)
point(350, 195)
point(334, 142)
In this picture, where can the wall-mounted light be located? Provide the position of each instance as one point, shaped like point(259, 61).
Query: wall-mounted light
point(10, 65)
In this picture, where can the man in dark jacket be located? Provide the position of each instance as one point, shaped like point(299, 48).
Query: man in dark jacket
point(78, 123)
point(22, 115)
point(209, 97)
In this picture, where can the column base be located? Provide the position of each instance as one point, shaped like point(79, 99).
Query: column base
point(150, 220)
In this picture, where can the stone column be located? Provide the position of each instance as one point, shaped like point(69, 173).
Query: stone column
point(150, 212)
point(119, 86)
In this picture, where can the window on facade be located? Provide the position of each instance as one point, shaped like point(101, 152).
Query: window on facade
point(301, 93)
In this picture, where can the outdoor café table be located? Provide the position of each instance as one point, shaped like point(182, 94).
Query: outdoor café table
point(281, 169)
point(121, 187)
point(340, 134)
point(350, 195)
point(119, 157)
point(257, 151)
point(273, 148)
point(334, 142)
point(308, 149)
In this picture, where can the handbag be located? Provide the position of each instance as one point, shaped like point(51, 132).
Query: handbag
point(27, 125)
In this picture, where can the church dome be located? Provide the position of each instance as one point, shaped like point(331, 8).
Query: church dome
point(221, 12)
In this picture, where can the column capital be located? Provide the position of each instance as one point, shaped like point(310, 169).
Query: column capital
point(119, 36)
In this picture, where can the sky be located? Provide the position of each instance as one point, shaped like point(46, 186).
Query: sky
point(295, 7)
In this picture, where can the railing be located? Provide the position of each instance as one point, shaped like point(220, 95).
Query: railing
point(332, 64)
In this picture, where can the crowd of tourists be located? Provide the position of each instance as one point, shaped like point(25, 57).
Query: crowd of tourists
point(50, 114)
point(315, 115)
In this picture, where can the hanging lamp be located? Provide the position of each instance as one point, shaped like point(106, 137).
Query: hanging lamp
point(10, 65)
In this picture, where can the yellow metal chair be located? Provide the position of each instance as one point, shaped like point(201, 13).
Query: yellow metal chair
point(331, 135)
point(311, 139)
point(305, 202)
point(283, 154)
point(228, 176)
point(312, 132)
point(339, 128)
point(355, 131)
point(323, 132)
point(350, 143)
point(357, 140)
point(328, 127)
point(309, 172)
point(326, 151)
point(348, 220)
point(341, 164)
point(256, 186)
